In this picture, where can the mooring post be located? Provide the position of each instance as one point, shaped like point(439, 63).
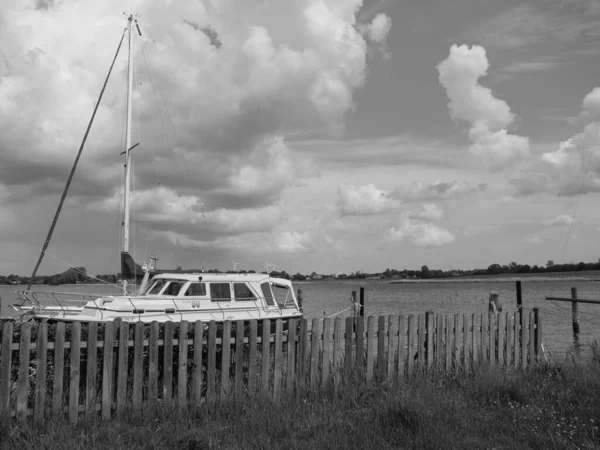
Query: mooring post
point(575, 313)
point(300, 300)
point(362, 302)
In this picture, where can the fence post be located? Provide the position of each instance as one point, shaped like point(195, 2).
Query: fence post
point(575, 314)
point(300, 300)
point(362, 302)
point(538, 333)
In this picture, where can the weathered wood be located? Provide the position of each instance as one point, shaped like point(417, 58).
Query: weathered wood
point(392, 347)
point(370, 349)
point(278, 364)
point(448, 346)
point(456, 352)
point(510, 323)
point(212, 361)
point(326, 346)
point(501, 333)
point(138, 365)
point(401, 348)
point(182, 365)
point(410, 360)
point(381, 333)
point(40, 371)
point(524, 340)
point(538, 335)
point(107, 370)
point(314, 353)
point(74, 375)
point(252, 358)
point(348, 349)
point(23, 377)
point(360, 353)
point(531, 338)
point(575, 314)
point(153, 363)
point(197, 377)
point(302, 353)
point(422, 336)
point(167, 390)
point(474, 343)
point(225, 359)
point(517, 340)
point(92, 354)
point(239, 359)
point(465, 344)
point(59, 362)
point(430, 330)
point(5, 368)
point(291, 355)
point(439, 348)
point(337, 350)
point(266, 353)
point(485, 342)
point(122, 365)
point(492, 338)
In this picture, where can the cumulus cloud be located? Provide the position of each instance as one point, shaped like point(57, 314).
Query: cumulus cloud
point(292, 241)
point(364, 200)
point(428, 211)
point(244, 73)
point(560, 221)
point(420, 234)
point(471, 102)
point(438, 190)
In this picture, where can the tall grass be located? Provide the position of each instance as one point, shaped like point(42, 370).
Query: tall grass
point(555, 405)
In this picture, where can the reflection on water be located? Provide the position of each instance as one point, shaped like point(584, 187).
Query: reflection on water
point(333, 299)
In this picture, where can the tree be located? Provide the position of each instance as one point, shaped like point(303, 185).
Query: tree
point(549, 264)
point(425, 272)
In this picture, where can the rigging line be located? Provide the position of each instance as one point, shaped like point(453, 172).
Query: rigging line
point(581, 189)
point(80, 271)
point(64, 195)
point(150, 68)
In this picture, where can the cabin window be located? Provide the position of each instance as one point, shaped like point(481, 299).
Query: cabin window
point(242, 292)
point(282, 295)
point(220, 292)
point(173, 288)
point(196, 289)
point(266, 291)
point(156, 287)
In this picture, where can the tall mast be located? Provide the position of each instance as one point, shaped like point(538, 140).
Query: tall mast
point(128, 143)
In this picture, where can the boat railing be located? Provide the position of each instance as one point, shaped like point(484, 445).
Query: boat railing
point(63, 300)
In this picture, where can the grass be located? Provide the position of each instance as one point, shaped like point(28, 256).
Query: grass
point(553, 406)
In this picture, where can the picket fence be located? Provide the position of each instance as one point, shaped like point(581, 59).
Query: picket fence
point(106, 369)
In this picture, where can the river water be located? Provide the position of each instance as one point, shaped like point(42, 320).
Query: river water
point(332, 299)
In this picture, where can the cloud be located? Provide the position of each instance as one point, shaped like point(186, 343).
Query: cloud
point(560, 221)
point(420, 234)
point(438, 190)
point(379, 28)
point(591, 103)
point(534, 239)
point(292, 241)
point(364, 200)
point(489, 117)
point(428, 211)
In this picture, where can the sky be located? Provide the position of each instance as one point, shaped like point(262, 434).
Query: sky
point(318, 135)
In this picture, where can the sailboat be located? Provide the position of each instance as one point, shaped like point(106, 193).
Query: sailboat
point(162, 296)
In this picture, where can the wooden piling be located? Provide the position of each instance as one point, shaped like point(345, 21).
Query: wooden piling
point(361, 311)
point(575, 314)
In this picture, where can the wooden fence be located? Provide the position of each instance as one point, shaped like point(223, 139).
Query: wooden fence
point(105, 369)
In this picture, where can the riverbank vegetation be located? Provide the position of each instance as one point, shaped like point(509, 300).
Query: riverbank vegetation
point(552, 406)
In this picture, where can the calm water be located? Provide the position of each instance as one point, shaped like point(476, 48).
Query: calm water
point(332, 299)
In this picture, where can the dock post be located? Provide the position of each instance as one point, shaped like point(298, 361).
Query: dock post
point(575, 314)
point(362, 302)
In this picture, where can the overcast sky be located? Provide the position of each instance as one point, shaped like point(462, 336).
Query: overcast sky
point(325, 135)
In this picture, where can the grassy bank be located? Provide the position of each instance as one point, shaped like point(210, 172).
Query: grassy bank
point(554, 406)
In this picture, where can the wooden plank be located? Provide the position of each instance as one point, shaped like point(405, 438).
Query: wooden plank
point(212, 361)
point(517, 340)
point(302, 352)
point(252, 358)
point(456, 352)
point(225, 359)
point(485, 359)
point(266, 360)
point(278, 364)
point(525, 339)
point(448, 347)
point(325, 361)
point(5, 368)
point(92, 354)
point(391, 347)
point(474, 342)
point(138, 365)
point(153, 363)
point(239, 359)
point(182, 368)
point(314, 353)
point(122, 365)
point(410, 360)
point(74, 375)
point(291, 355)
point(501, 332)
point(197, 377)
point(360, 352)
point(59, 362)
point(381, 370)
point(538, 335)
point(23, 377)
point(168, 363)
point(401, 350)
point(40, 371)
point(337, 351)
point(439, 345)
point(509, 339)
point(492, 338)
point(422, 336)
point(348, 349)
point(531, 338)
point(107, 370)
point(465, 349)
point(429, 329)
point(370, 349)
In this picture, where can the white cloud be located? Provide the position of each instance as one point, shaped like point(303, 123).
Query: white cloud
point(428, 211)
point(364, 200)
point(591, 103)
point(420, 234)
point(489, 117)
point(379, 28)
point(534, 239)
point(438, 190)
point(292, 241)
point(561, 221)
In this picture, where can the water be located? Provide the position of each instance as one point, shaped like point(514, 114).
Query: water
point(332, 299)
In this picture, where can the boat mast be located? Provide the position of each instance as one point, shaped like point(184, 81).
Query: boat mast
point(128, 143)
